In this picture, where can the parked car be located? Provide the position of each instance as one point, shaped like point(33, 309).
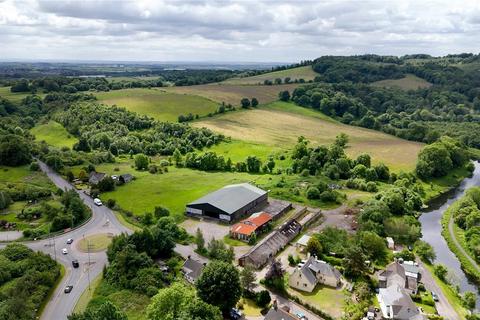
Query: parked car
point(69, 241)
point(434, 296)
point(301, 316)
point(97, 202)
point(235, 314)
point(64, 251)
point(68, 289)
point(75, 263)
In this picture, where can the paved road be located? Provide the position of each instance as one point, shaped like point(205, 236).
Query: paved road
point(443, 306)
point(103, 220)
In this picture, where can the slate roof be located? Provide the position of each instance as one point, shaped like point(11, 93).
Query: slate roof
point(231, 198)
point(279, 314)
point(96, 177)
point(400, 302)
point(127, 177)
point(317, 266)
point(192, 268)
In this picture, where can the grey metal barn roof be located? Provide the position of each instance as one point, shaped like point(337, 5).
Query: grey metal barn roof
point(232, 197)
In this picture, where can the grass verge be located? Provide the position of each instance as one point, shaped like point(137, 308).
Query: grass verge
point(94, 242)
point(52, 290)
point(87, 295)
point(465, 263)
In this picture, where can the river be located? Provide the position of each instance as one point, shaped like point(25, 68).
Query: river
point(432, 231)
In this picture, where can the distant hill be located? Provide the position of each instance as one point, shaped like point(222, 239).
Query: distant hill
point(306, 73)
point(409, 82)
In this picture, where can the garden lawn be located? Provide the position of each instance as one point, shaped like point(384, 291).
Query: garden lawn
point(161, 105)
point(327, 299)
point(250, 308)
point(54, 134)
point(278, 126)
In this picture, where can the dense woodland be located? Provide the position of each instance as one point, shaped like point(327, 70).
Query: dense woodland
point(450, 107)
point(26, 277)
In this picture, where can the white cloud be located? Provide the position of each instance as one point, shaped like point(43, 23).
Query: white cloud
point(234, 30)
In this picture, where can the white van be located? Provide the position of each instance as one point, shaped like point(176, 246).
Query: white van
point(97, 201)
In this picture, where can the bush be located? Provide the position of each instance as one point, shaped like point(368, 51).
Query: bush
point(263, 299)
point(313, 193)
point(111, 203)
point(34, 166)
point(371, 187)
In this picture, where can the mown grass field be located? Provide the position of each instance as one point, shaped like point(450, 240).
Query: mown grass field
point(161, 105)
point(234, 93)
point(279, 124)
point(94, 242)
point(410, 82)
point(54, 134)
point(305, 72)
point(179, 186)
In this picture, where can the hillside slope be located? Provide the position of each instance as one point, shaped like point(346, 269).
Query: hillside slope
point(279, 124)
point(305, 72)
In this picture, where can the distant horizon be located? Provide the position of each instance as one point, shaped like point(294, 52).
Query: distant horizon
point(206, 62)
point(238, 30)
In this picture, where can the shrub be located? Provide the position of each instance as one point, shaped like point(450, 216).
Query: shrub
point(313, 193)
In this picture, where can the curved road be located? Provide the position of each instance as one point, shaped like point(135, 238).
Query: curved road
point(103, 220)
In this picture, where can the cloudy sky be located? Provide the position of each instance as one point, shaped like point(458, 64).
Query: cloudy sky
point(268, 31)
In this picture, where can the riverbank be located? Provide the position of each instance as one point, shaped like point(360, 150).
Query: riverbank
point(458, 247)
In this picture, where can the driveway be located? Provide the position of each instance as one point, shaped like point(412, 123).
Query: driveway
point(210, 229)
point(443, 306)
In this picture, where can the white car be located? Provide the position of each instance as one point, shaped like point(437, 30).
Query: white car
point(64, 251)
point(97, 202)
point(69, 241)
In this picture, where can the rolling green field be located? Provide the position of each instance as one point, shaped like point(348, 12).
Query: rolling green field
point(410, 82)
point(14, 97)
point(234, 93)
point(161, 105)
point(305, 72)
point(278, 125)
point(54, 134)
point(179, 186)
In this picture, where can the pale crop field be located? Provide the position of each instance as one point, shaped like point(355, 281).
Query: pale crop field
point(234, 93)
point(280, 124)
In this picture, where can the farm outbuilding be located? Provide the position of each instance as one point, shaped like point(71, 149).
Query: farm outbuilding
point(229, 203)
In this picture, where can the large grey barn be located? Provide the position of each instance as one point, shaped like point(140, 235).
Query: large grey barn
point(230, 203)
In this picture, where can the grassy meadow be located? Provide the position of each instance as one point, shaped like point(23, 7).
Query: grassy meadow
point(161, 105)
point(233, 93)
point(279, 124)
point(305, 72)
point(409, 82)
point(179, 186)
point(15, 97)
point(54, 134)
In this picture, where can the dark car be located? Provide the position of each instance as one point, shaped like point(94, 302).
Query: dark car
point(235, 314)
point(75, 264)
point(68, 289)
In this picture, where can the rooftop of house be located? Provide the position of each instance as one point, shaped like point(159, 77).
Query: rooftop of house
point(252, 223)
point(313, 266)
point(279, 314)
point(95, 177)
point(232, 197)
point(401, 268)
point(193, 268)
point(399, 302)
